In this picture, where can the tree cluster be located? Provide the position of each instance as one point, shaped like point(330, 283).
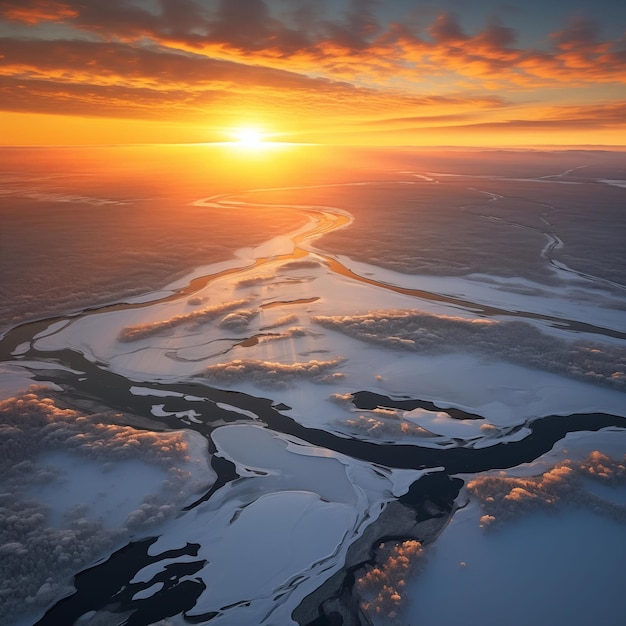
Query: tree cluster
point(201, 316)
point(516, 342)
point(274, 374)
point(37, 559)
point(505, 497)
point(381, 587)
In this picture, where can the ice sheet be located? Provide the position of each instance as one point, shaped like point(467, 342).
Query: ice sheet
point(539, 570)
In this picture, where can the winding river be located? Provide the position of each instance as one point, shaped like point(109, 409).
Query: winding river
point(88, 382)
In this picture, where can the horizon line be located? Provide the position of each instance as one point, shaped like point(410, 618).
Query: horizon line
point(269, 144)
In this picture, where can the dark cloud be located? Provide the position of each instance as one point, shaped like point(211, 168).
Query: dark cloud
point(566, 118)
point(115, 18)
point(446, 29)
point(358, 28)
point(248, 26)
point(119, 80)
point(470, 105)
point(181, 16)
point(35, 11)
point(116, 79)
point(600, 114)
point(497, 35)
point(244, 24)
point(303, 15)
point(97, 62)
point(45, 96)
point(354, 43)
point(362, 19)
point(580, 31)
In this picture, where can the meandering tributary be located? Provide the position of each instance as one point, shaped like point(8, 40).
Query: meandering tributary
point(87, 382)
point(98, 383)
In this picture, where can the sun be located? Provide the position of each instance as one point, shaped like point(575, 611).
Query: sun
point(249, 137)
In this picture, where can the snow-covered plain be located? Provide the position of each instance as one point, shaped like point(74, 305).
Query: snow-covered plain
point(288, 322)
point(291, 519)
point(540, 570)
point(542, 543)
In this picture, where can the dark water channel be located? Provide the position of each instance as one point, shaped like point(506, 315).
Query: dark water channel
point(106, 586)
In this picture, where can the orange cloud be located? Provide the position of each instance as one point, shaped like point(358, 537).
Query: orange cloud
point(488, 59)
point(352, 46)
point(36, 11)
point(304, 67)
point(115, 79)
point(446, 30)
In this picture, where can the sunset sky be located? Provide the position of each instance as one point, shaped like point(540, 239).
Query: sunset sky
point(398, 72)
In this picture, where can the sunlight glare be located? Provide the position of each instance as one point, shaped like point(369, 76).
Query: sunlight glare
point(249, 137)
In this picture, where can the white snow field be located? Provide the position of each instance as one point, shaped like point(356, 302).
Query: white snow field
point(543, 569)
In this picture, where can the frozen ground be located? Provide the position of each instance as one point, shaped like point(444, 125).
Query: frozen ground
point(541, 570)
point(74, 487)
point(261, 358)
